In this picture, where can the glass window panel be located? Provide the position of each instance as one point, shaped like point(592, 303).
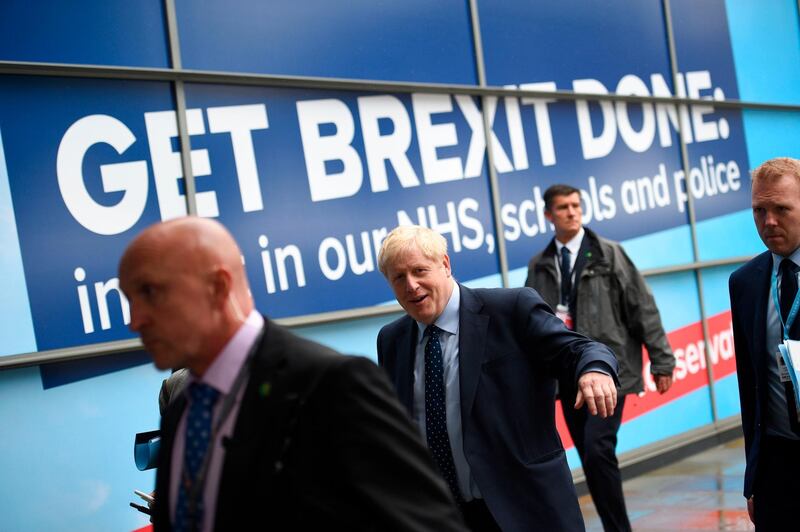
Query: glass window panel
point(536, 41)
point(414, 40)
point(95, 32)
point(720, 329)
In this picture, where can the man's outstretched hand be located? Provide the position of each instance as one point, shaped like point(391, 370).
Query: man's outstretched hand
point(598, 391)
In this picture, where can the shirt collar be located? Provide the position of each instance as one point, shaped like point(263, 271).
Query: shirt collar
point(573, 245)
point(777, 259)
point(221, 374)
point(448, 319)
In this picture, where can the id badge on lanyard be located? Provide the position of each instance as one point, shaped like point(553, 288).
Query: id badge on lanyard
point(788, 355)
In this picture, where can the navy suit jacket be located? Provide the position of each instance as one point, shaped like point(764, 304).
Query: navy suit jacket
point(511, 348)
point(749, 289)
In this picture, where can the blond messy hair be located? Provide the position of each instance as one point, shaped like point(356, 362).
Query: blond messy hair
point(402, 238)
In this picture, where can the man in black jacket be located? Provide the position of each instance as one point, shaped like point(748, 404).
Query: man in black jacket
point(597, 291)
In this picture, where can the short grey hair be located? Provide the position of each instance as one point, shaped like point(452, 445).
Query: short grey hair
point(430, 243)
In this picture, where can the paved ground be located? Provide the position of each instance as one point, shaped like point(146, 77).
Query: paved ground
point(702, 492)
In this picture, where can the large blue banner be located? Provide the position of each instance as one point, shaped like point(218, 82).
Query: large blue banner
point(308, 181)
point(311, 181)
point(412, 40)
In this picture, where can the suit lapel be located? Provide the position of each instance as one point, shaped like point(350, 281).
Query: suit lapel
point(261, 391)
point(760, 296)
point(472, 329)
point(405, 359)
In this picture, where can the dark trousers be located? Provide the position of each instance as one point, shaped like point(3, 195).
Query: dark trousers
point(776, 491)
point(596, 442)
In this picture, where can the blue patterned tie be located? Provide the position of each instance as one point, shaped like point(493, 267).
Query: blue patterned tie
point(436, 412)
point(198, 436)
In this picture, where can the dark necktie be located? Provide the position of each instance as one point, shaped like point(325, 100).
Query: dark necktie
point(566, 276)
point(788, 292)
point(189, 510)
point(436, 411)
point(788, 286)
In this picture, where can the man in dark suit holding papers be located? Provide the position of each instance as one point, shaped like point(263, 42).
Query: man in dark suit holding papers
point(764, 305)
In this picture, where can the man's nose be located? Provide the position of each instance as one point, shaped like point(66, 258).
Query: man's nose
point(411, 284)
point(770, 218)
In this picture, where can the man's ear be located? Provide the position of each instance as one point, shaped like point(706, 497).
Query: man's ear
point(548, 215)
point(221, 286)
